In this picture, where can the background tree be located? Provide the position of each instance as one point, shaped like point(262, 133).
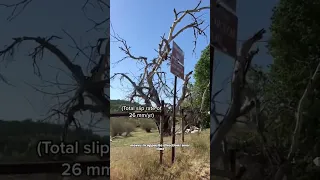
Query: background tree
point(201, 86)
point(285, 96)
point(294, 46)
point(288, 92)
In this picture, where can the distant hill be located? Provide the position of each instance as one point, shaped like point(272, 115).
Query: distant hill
point(115, 105)
point(18, 139)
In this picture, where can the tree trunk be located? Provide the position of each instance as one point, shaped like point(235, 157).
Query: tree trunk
point(166, 125)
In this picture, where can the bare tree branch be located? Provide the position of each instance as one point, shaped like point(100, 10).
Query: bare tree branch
point(15, 6)
point(299, 114)
point(19, 7)
point(45, 44)
point(204, 96)
point(103, 6)
point(238, 84)
point(92, 87)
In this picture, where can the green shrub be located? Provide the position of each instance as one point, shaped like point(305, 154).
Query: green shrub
point(147, 124)
point(121, 126)
point(116, 128)
point(129, 127)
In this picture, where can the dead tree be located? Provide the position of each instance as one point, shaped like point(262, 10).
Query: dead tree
point(191, 118)
point(152, 81)
point(89, 86)
point(241, 102)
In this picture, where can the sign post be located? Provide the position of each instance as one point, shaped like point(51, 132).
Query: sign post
point(177, 68)
point(224, 27)
point(223, 30)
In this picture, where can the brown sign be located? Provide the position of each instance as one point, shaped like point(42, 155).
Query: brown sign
point(177, 61)
point(224, 27)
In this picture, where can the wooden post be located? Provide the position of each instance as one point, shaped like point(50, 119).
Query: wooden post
point(174, 119)
point(182, 125)
point(161, 131)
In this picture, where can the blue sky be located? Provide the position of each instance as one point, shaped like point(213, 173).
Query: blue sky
point(141, 23)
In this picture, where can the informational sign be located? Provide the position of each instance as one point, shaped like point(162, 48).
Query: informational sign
point(177, 61)
point(224, 27)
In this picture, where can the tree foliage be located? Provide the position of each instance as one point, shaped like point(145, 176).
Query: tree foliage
point(202, 80)
point(295, 50)
point(202, 74)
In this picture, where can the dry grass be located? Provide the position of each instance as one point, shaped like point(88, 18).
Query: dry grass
point(142, 163)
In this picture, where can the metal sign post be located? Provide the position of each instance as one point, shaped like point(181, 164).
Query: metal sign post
point(174, 120)
point(177, 68)
point(224, 27)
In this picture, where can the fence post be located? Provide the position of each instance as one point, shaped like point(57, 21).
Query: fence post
point(174, 119)
point(182, 125)
point(161, 131)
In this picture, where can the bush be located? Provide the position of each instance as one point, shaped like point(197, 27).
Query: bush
point(136, 122)
point(147, 124)
point(116, 129)
point(119, 126)
point(129, 127)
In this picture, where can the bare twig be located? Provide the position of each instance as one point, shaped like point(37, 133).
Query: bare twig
point(15, 6)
